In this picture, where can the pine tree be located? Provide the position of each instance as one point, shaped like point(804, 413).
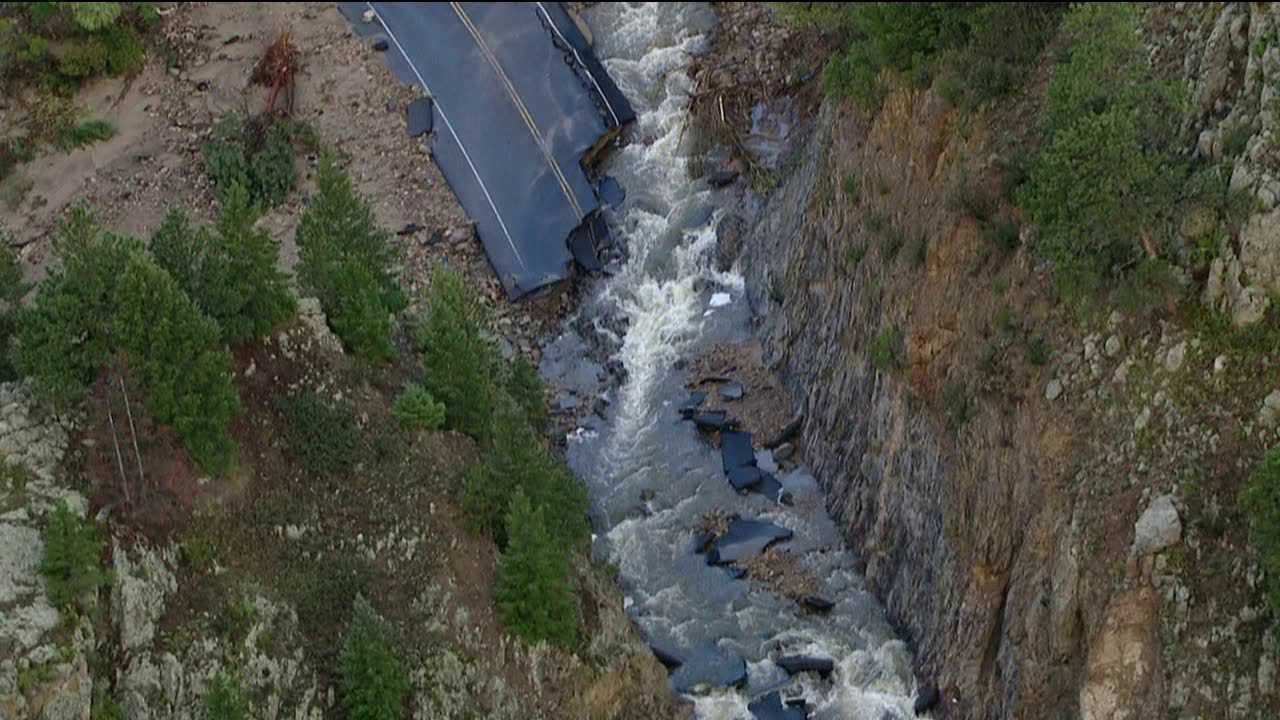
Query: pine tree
point(373, 681)
point(533, 591)
point(226, 700)
point(231, 274)
point(72, 564)
point(170, 346)
point(461, 363)
point(524, 384)
point(345, 259)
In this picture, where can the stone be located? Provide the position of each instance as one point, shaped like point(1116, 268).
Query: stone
point(784, 451)
point(567, 403)
point(927, 699)
point(669, 659)
point(710, 668)
point(1141, 422)
point(796, 664)
point(1260, 251)
point(1053, 390)
point(1176, 356)
point(722, 178)
point(368, 16)
point(141, 584)
point(1270, 411)
point(1114, 346)
point(732, 391)
point(720, 300)
point(1158, 529)
point(381, 44)
point(771, 707)
point(713, 420)
point(1220, 363)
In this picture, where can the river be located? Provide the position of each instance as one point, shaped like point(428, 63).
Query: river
point(652, 476)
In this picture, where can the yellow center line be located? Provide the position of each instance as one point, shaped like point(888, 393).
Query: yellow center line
point(519, 104)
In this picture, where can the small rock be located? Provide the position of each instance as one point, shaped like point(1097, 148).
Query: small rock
point(1270, 409)
point(1053, 390)
point(927, 699)
point(1220, 363)
point(1114, 346)
point(732, 391)
point(817, 603)
point(720, 300)
point(1115, 319)
point(368, 16)
point(1177, 355)
point(1143, 419)
point(721, 178)
point(381, 45)
point(409, 229)
point(1157, 529)
point(784, 451)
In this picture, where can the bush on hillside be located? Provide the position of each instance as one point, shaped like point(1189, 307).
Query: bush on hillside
point(526, 388)
point(230, 272)
point(254, 153)
point(226, 700)
point(417, 410)
point(72, 564)
point(460, 361)
point(1004, 42)
point(12, 288)
point(66, 43)
point(322, 434)
point(373, 680)
point(346, 260)
point(1261, 502)
point(534, 591)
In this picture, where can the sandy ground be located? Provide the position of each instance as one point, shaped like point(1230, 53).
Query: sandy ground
point(164, 114)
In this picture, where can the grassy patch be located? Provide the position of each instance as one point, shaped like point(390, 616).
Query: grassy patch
point(1004, 233)
point(886, 350)
point(86, 133)
point(852, 189)
point(957, 405)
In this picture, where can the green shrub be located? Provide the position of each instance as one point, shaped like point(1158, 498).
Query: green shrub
point(1107, 173)
point(86, 133)
point(72, 564)
point(226, 700)
point(417, 410)
point(855, 254)
point(920, 250)
point(345, 259)
point(885, 349)
point(230, 273)
point(104, 706)
point(534, 592)
point(173, 355)
point(322, 434)
point(460, 360)
point(852, 189)
point(1004, 233)
point(971, 199)
point(891, 243)
point(525, 386)
point(1038, 350)
point(1005, 40)
point(256, 154)
point(12, 288)
point(957, 405)
point(373, 681)
point(1261, 502)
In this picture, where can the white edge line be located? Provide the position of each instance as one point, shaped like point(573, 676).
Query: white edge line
point(574, 50)
point(449, 125)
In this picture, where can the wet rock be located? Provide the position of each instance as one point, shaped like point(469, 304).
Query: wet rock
point(796, 664)
point(817, 603)
point(1157, 529)
point(669, 659)
point(734, 572)
point(714, 420)
point(567, 403)
point(927, 699)
point(722, 178)
point(710, 668)
point(732, 391)
point(736, 450)
point(771, 707)
point(600, 406)
point(690, 407)
point(744, 540)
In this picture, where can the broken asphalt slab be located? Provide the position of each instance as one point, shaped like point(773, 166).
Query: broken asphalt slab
point(744, 540)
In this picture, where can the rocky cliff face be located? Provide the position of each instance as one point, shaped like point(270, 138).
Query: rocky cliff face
point(1045, 504)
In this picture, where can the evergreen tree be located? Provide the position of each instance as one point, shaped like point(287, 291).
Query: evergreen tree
point(533, 591)
point(461, 363)
point(65, 337)
point(12, 288)
point(524, 384)
point(226, 700)
point(373, 681)
point(416, 409)
point(345, 259)
point(231, 274)
point(72, 564)
point(170, 346)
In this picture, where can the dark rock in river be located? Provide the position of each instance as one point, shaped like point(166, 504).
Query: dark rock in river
point(736, 450)
point(729, 233)
point(817, 603)
point(689, 407)
point(716, 420)
point(927, 699)
point(795, 664)
point(744, 540)
point(771, 707)
point(721, 178)
point(710, 668)
point(669, 659)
